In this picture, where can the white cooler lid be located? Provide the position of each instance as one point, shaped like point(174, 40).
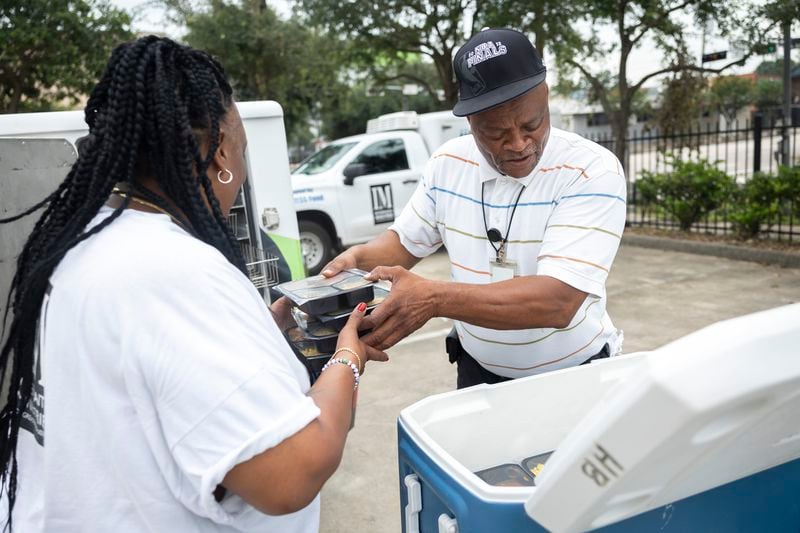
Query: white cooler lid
point(710, 408)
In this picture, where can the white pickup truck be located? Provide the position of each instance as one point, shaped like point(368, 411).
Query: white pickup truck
point(352, 189)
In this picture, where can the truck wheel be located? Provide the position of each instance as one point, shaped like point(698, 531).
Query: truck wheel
point(317, 246)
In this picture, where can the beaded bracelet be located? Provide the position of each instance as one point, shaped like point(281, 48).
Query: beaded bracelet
point(348, 350)
point(345, 362)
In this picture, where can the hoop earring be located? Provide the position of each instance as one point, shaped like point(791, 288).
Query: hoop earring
point(224, 182)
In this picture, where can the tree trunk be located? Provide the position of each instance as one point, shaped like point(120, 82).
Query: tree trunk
point(787, 93)
point(619, 129)
point(16, 96)
point(451, 93)
point(538, 27)
point(444, 69)
point(623, 113)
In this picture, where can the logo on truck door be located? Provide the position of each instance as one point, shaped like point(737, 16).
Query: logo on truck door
point(382, 203)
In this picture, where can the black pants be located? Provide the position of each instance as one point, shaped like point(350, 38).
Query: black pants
point(470, 372)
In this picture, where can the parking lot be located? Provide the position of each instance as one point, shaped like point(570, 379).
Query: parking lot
point(655, 296)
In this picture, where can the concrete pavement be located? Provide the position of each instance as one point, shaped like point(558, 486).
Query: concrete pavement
point(655, 296)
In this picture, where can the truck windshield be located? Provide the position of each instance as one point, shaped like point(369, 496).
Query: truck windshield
point(324, 159)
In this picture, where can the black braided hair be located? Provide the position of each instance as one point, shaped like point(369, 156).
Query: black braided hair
point(156, 105)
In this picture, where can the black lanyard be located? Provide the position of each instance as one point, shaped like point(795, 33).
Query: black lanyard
point(494, 234)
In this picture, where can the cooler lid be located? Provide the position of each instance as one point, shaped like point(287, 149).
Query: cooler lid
point(713, 407)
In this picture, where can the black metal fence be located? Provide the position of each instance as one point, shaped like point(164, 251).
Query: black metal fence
point(739, 150)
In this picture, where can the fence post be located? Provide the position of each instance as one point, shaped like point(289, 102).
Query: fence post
point(758, 123)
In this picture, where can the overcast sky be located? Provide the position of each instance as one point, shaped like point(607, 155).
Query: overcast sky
point(148, 17)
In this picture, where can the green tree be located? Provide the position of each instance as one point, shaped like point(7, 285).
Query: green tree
point(547, 21)
point(413, 69)
point(616, 28)
point(773, 67)
point(767, 96)
point(784, 13)
point(267, 57)
point(681, 103)
point(729, 94)
point(55, 50)
point(781, 11)
point(391, 30)
point(347, 112)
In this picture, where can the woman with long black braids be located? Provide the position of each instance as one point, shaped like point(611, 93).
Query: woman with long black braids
point(150, 388)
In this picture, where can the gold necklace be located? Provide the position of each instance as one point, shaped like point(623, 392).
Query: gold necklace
point(124, 194)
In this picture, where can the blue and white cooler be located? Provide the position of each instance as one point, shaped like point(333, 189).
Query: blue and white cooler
point(702, 434)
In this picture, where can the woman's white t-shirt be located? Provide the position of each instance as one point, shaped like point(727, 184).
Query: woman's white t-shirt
point(160, 369)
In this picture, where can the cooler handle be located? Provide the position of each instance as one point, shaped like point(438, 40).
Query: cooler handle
point(414, 505)
point(447, 524)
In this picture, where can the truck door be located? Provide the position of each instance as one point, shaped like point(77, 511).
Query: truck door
point(377, 195)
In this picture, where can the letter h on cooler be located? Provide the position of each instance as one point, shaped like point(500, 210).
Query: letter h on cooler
point(601, 467)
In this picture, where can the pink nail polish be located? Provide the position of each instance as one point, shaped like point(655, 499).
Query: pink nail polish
point(361, 307)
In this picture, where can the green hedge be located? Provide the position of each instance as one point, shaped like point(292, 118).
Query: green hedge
point(693, 189)
point(689, 192)
point(764, 200)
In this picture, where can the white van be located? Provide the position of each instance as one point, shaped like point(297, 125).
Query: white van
point(38, 149)
point(352, 189)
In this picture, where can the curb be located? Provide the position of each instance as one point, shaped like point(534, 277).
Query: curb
point(739, 253)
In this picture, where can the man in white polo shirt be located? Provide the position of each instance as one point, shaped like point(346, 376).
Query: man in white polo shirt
point(531, 217)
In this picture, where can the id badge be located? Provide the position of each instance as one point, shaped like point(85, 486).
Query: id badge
point(502, 270)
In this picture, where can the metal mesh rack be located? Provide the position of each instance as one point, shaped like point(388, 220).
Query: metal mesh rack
point(238, 225)
point(262, 268)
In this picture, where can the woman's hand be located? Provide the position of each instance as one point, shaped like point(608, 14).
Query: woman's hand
point(348, 338)
point(281, 310)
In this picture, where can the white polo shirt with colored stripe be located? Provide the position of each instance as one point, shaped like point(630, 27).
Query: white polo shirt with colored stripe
point(568, 225)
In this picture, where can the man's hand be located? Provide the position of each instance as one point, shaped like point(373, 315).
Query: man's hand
point(410, 304)
point(344, 261)
point(385, 249)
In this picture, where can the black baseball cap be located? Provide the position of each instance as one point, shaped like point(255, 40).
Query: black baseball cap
point(493, 67)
